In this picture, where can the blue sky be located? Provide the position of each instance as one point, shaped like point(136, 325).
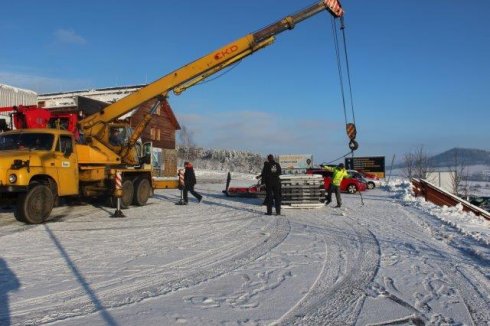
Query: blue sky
point(420, 69)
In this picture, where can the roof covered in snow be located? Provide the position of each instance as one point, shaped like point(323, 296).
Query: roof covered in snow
point(109, 95)
point(10, 96)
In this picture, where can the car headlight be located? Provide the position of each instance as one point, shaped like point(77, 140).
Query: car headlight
point(12, 178)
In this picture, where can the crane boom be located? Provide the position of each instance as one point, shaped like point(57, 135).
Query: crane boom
point(186, 76)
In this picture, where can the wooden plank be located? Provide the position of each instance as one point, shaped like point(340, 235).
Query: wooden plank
point(441, 197)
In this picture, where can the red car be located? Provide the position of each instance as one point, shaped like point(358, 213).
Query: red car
point(371, 180)
point(350, 185)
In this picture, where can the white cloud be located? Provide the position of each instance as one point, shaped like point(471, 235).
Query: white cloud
point(69, 36)
point(266, 132)
point(41, 84)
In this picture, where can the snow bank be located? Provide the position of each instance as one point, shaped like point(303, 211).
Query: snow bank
point(466, 222)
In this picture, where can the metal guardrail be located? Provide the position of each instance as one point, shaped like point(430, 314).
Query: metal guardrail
point(441, 197)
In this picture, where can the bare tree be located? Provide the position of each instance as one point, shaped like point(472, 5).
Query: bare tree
point(421, 163)
point(416, 164)
point(408, 162)
point(465, 185)
point(186, 138)
point(459, 173)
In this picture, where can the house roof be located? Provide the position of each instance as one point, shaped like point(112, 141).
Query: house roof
point(108, 95)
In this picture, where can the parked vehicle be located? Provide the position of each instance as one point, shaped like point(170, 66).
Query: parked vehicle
point(33, 116)
point(350, 185)
point(371, 180)
point(479, 201)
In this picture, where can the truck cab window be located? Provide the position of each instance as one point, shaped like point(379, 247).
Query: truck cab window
point(65, 144)
point(27, 141)
point(116, 137)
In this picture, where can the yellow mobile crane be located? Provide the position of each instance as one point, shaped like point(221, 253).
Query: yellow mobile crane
point(39, 165)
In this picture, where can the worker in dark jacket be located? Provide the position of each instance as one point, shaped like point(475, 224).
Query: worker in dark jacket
point(270, 177)
point(190, 182)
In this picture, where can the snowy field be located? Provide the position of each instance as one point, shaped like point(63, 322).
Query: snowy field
point(395, 260)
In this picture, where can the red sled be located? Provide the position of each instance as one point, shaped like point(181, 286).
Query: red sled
point(255, 191)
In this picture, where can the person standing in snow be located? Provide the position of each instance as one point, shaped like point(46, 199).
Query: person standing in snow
point(190, 182)
point(339, 173)
point(270, 177)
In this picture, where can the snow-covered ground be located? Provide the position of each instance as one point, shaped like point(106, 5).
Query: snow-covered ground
point(395, 260)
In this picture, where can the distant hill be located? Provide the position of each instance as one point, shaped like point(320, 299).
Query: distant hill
point(476, 163)
point(465, 155)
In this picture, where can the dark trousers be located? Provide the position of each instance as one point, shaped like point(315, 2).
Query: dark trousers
point(193, 192)
point(273, 197)
point(336, 189)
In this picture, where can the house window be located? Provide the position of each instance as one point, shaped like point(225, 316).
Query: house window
point(152, 133)
point(158, 134)
point(158, 110)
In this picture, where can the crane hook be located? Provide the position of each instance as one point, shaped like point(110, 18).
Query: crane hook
point(353, 145)
point(352, 133)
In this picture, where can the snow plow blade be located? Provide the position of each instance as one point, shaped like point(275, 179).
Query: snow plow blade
point(255, 191)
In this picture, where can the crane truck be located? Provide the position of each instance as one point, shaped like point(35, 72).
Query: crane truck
point(39, 165)
point(26, 116)
point(33, 116)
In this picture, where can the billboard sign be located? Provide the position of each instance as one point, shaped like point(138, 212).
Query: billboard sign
point(370, 164)
point(295, 163)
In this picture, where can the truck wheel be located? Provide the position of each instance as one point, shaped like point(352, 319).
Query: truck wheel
point(35, 205)
point(142, 191)
point(371, 185)
point(128, 192)
point(351, 189)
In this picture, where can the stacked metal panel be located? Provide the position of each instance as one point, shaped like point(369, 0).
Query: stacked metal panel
point(302, 191)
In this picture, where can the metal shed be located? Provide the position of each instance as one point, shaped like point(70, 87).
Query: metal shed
point(10, 96)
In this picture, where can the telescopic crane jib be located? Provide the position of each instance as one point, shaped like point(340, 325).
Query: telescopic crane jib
point(94, 126)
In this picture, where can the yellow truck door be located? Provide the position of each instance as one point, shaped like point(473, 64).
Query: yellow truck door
point(67, 166)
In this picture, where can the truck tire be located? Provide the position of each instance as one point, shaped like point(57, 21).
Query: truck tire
point(351, 189)
point(128, 192)
point(142, 191)
point(35, 205)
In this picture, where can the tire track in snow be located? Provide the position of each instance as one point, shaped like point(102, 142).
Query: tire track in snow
point(337, 295)
point(471, 284)
point(473, 293)
point(123, 277)
point(9, 225)
point(216, 253)
point(67, 305)
point(421, 242)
